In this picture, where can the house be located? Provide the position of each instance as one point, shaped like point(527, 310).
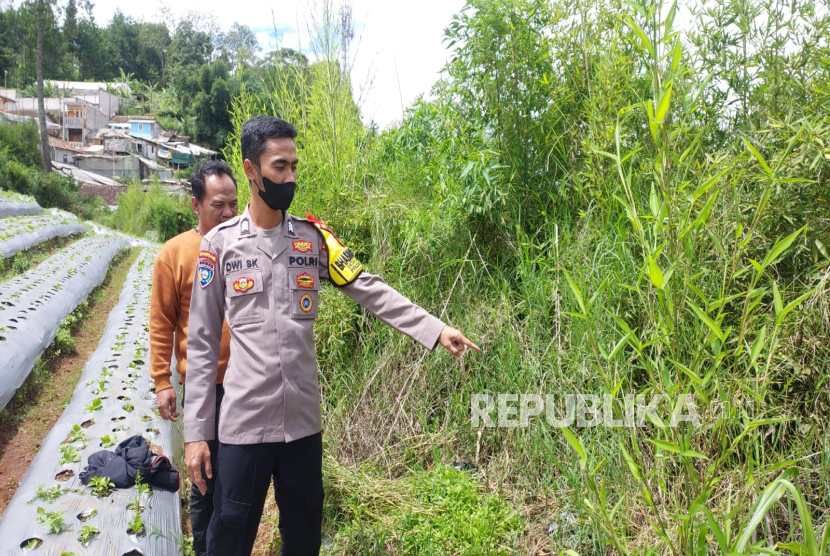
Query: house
point(145, 127)
point(64, 151)
point(79, 118)
point(31, 116)
point(105, 97)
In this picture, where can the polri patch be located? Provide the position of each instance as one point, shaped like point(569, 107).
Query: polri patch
point(305, 280)
point(301, 246)
point(243, 284)
point(306, 303)
point(206, 274)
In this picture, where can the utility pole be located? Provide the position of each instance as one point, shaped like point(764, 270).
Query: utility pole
point(346, 35)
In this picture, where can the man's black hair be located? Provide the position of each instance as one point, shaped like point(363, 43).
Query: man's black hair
point(201, 173)
point(257, 131)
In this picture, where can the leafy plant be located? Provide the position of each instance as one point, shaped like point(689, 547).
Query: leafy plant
point(52, 520)
point(69, 454)
point(128, 407)
point(87, 533)
point(136, 526)
point(107, 441)
point(96, 405)
point(101, 486)
point(101, 388)
point(47, 495)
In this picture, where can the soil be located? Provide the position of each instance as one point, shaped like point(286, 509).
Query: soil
point(29, 422)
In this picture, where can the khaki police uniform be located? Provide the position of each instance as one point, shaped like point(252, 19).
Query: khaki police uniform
point(270, 304)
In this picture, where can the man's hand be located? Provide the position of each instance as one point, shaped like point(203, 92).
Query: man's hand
point(196, 454)
point(454, 341)
point(166, 404)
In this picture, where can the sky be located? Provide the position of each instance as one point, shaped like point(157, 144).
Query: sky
point(397, 51)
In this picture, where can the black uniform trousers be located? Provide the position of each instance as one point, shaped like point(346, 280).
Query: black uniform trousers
point(245, 471)
point(202, 507)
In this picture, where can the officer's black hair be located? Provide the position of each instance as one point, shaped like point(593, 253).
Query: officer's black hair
point(257, 131)
point(201, 173)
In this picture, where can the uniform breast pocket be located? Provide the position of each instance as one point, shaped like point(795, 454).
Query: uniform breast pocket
point(304, 284)
point(245, 297)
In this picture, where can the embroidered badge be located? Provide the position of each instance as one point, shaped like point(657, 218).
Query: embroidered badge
point(207, 256)
point(302, 246)
point(306, 303)
point(291, 227)
point(246, 226)
point(305, 280)
point(205, 275)
point(243, 284)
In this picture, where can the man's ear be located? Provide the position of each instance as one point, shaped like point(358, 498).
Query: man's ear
point(250, 171)
point(194, 204)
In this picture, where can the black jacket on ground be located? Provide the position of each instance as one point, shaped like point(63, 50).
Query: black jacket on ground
point(130, 456)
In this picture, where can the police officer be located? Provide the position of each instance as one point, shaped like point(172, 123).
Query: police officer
point(262, 271)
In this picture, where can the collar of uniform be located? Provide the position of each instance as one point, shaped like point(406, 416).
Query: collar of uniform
point(247, 228)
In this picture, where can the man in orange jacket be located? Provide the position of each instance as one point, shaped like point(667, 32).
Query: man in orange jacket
point(214, 202)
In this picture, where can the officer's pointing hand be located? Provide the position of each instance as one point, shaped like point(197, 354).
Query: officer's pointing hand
point(195, 455)
point(454, 341)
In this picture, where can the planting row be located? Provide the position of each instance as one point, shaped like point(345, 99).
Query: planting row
point(53, 512)
point(14, 204)
point(18, 233)
point(33, 304)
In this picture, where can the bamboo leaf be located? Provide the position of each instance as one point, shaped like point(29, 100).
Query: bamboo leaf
point(758, 156)
point(576, 445)
point(776, 298)
point(576, 292)
point(640, 33)
point(694, 454)
point(655, 274)
point(665, 100)
point(706, 319)
point(780, 248)
point(667, 446)
point(757, 345)
point(792, 305)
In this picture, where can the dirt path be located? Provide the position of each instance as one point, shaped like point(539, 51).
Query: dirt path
point(26, 423)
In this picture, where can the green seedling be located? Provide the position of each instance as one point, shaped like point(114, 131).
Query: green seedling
point(52, 520)
point(128, 407)
point(96, 405)
point(101, 388)
point(101, 486)
point(107, 441)
point(136, 526)
point(69, 454)
point(87, 533)
point(47, 495)
point(77, 434)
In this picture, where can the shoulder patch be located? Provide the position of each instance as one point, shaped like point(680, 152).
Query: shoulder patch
point(207, 268)
point(344, 268)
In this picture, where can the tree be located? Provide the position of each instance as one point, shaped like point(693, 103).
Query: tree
point(239, 46)
point(44, 7)
point(70, 39)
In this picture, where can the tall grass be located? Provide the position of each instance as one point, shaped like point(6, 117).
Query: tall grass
point(609, 206)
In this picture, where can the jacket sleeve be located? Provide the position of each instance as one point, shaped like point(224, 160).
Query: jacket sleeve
point(164, 314)
point(207, 308)
point(388, 305)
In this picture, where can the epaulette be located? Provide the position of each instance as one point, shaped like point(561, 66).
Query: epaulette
point(224, 225)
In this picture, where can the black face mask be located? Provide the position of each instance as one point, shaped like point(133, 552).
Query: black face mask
point(277, 196)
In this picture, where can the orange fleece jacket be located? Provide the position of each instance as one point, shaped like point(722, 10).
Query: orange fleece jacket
point(170, 308)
